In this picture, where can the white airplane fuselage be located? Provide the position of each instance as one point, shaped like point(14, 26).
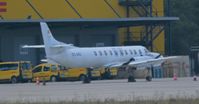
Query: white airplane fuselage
point(100, 56)
point(71, 56)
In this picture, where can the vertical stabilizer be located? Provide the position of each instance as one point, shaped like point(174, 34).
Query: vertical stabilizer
point(49, 40)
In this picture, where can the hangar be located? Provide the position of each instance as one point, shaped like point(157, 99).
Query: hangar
point(93, 23)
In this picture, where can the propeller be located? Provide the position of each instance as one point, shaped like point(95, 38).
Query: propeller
point(158, 56)
point(126, 63)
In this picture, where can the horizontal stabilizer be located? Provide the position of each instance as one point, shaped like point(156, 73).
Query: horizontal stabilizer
point(33, 46)
point(42, 46)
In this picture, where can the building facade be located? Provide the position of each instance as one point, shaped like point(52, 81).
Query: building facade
point(13, 36)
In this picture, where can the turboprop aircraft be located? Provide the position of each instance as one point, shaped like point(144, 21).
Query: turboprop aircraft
point(92, 57)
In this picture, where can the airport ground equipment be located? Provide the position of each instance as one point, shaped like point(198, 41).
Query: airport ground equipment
point(47, 72)
point(55, 72)
point(14, 72)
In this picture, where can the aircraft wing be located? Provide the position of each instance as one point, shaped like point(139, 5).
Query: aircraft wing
point(142, 63)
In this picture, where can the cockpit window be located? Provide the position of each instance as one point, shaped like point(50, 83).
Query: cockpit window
point(146, 51)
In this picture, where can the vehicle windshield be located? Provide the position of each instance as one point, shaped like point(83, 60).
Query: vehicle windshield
point(6, 67)
point(26, 66)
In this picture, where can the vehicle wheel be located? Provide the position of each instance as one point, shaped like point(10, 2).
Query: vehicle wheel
point(86, 80)
point(53, 79)
point(131, 79)
point(82, 77)
point(149, 78)
point(13, 80)
point(29, 81)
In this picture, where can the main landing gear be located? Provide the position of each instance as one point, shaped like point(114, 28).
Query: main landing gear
point(131, 77)
point(148, 77)
point(87, 78)
point(131, 72)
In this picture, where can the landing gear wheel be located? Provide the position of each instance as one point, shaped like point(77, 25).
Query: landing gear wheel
point(131, 79)
point(148, 78)
point(13, 80)
point(86, 80)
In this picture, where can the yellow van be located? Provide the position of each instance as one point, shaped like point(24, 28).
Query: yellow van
point(72, 73)
point(16, 71)
point(55, 72)
point(47, 72)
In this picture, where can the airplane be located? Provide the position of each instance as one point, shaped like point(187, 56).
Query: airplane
point(130, 57)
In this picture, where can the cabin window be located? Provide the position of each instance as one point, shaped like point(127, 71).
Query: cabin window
point(105, 53)
point(135, 52)
point(100, 53)
point(126, 52)
point(95, 53)
point(121, 53)
point(111, 53)
point(131, 52)
point(116, 53)
point(140, 52)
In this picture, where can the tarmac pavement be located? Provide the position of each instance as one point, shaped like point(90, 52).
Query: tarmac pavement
point(100, 90)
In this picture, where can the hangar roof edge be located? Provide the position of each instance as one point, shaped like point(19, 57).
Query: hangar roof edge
point(118, 22)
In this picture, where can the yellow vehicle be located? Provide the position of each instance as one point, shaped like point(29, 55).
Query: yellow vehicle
point(96, 74)
point(55, 72)
point(47, 72)
point(108, 73)
point(72, 73)
point(16, 71)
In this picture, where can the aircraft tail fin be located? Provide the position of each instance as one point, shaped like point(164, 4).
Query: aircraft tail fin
point(50, 42)
point(48, 38)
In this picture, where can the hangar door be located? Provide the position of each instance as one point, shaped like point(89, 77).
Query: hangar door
point(24, 54)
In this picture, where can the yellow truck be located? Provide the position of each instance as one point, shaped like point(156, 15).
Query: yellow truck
point(14, 72)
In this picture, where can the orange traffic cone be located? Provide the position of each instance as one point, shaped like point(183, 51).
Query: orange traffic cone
point(37, 81)
point(174, 76)
point(194, 78)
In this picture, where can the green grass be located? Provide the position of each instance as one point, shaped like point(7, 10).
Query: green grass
point(112, 101)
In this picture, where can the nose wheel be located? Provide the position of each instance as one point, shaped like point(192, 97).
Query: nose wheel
point(131, 77)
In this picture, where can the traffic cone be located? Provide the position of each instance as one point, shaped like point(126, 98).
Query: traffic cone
point(37, 81)
point(174, 76)
point(194, 78)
